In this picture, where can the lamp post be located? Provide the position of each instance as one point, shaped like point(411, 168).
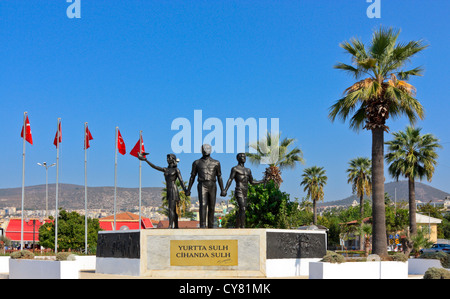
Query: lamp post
point(44, 164)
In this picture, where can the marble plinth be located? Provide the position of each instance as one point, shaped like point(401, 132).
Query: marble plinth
point(209, 252)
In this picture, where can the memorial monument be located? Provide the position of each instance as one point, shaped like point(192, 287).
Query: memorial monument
point(208, 171)
point(242, 176)
point(244, 252)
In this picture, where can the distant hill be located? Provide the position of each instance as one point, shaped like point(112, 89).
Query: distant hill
point(72, 197)
point(424, 193)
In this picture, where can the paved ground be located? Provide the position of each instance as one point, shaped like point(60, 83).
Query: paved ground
point(90, 274)
point(93, 275)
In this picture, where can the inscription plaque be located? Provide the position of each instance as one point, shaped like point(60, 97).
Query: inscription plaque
point(203, 252)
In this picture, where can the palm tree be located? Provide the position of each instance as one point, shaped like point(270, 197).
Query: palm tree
point(314, 179)
point(277, 155)
point(368, 103)
point(413, 156)
point(360, 176)
point(366, 231)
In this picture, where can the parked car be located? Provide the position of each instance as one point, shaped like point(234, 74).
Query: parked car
point(437, 247)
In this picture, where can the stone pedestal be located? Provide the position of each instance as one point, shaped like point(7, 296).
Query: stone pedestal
point(209, 252)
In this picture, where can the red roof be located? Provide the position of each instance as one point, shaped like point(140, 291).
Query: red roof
point(365, 220)
point(13, 230)
point(130, 220)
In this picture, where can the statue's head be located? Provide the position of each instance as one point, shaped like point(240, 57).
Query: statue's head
point(241, 157)
point(206, 149)
point(172, 159)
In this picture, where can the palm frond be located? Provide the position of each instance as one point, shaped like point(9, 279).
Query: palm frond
point(385, 91)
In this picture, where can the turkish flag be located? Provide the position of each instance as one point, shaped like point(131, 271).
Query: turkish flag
point(28, 136)
point(87, 137)
point(138, 148)
point(56, 141)
point(120, 143)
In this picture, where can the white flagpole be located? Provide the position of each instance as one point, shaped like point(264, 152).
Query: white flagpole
point(85, 189)
point(115, 176)
point(140, 178)
point(23, 176)
point(57, 173)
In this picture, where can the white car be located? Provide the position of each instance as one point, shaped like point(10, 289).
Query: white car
point(437, 247)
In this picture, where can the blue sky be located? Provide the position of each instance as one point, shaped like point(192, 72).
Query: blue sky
point(139, 65)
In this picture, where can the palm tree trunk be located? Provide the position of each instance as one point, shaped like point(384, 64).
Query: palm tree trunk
point(379, 245)
point(361, 212)
point(314, 212)
point(412, 207)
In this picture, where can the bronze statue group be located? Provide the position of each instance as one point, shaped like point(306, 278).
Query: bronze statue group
point(208, 172)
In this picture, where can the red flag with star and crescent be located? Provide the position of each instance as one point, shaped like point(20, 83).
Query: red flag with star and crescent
point(28, 136)
point(138, 148)
point(120, 143)
point(87, 137)
point(57, 140)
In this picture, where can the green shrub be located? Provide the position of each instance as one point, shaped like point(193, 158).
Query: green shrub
point(442, 256)
point(333, 257)
point(435, 273)
point(22, 254)
point(65, 256)
point(400, 257)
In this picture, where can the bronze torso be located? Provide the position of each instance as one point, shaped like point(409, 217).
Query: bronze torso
point(207, 169)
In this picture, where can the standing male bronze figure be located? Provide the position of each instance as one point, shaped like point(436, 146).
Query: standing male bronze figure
point(242, 176)
point(208, 170)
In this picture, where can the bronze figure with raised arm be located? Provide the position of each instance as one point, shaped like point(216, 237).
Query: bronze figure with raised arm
point(171, 175)
point(242, 176)
point(208, 171)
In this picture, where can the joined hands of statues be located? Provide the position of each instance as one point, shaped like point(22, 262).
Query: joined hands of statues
point(223, 193)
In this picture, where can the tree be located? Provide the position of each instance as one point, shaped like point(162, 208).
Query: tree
point(414, 156)
point(421, 240)
point(268, 207)
point(445, 227)
point(71, 230)
point(314, 179)
point(4, 242)
point(366, 230)
point(277, 155)
point(359, 174)
point(332, 222)
point(368, 103)
point(397, 218)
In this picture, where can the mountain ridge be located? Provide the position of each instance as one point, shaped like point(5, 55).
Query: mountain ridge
point(398, 191)
point(71, 196)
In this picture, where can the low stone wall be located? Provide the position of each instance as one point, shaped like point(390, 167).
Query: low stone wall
point(43, 269)
point(418, 266)
point(359, 270)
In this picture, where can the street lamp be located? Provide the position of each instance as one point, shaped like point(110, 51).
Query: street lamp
point(44, 164)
